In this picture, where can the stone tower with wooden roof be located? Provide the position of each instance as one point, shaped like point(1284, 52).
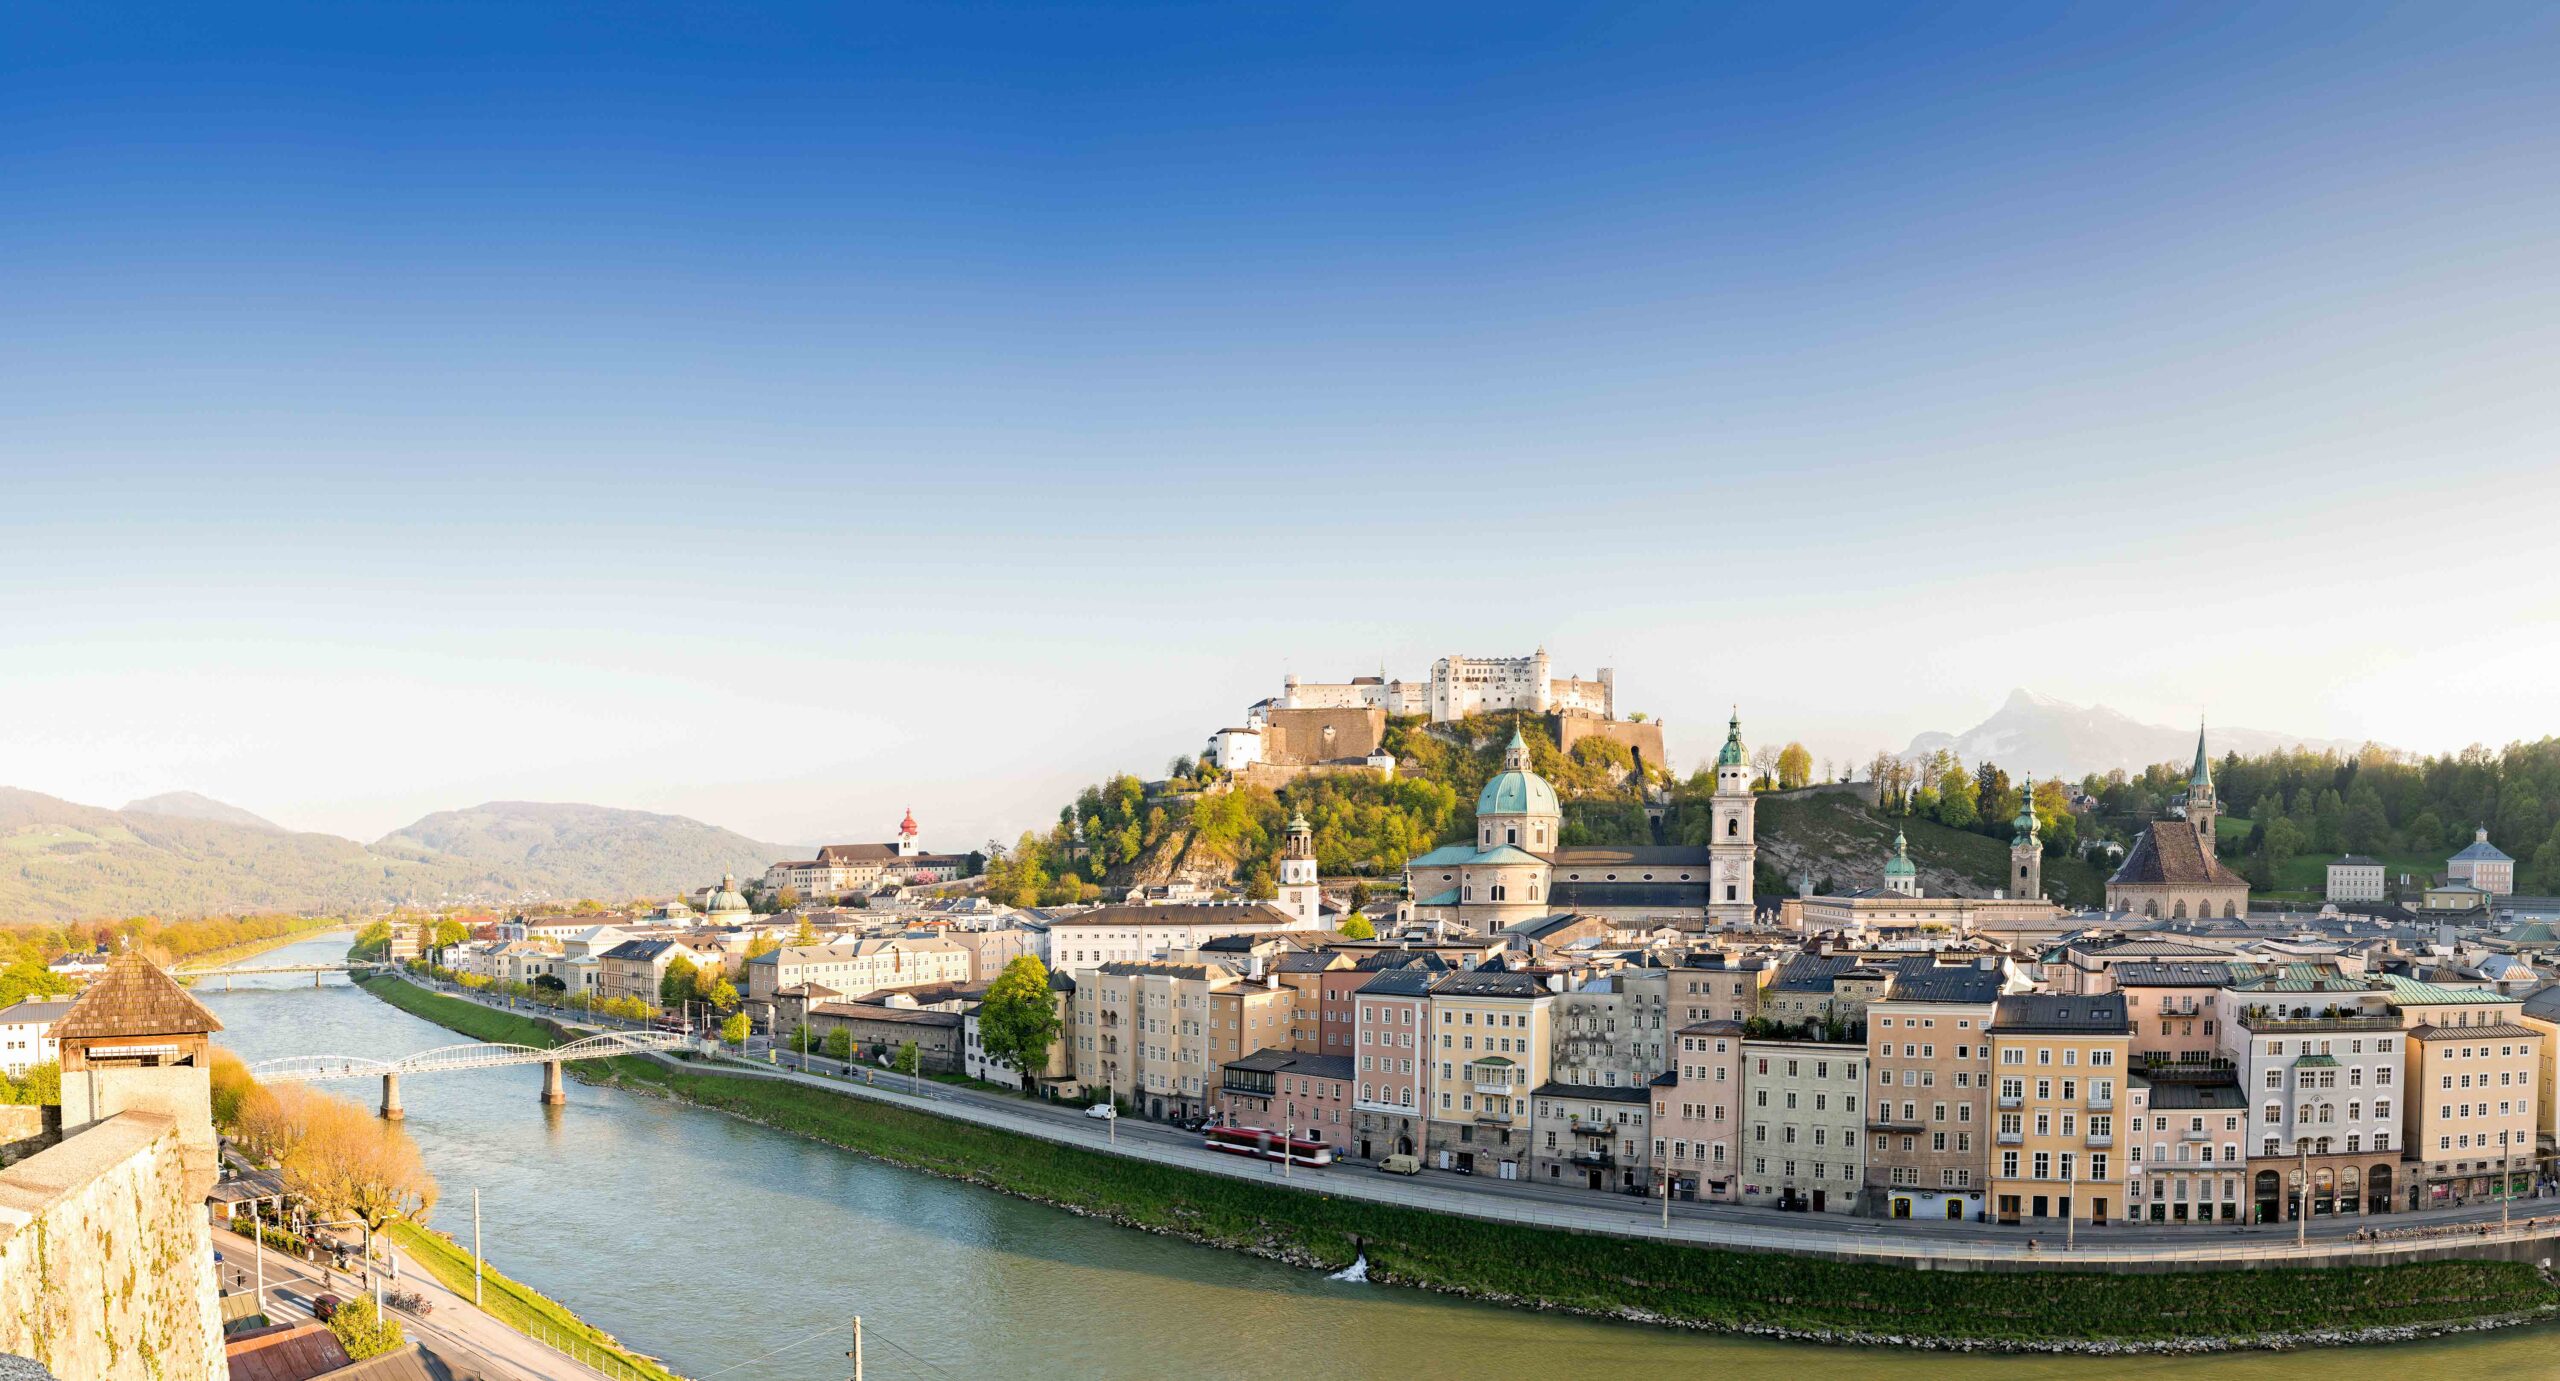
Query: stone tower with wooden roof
point(138, 1042)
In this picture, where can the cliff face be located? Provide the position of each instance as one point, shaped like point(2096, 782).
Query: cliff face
point(106, 1268)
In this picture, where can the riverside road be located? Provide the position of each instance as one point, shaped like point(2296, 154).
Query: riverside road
point(1723, 1225)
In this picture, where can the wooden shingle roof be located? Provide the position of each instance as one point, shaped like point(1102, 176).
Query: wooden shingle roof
point(2172, 852)
point(135, 998)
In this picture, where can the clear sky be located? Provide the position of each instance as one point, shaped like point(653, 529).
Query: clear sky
point(784, 415)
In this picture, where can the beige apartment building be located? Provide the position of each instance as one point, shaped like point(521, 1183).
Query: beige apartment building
point(1716, 987)
point(2172, 1011)
point(859, 966)
point(1928, 1122)
point(2472, 1098)
point(1142, 1034)
point(2058, 1065)
point(1489, 1052)
point(1804, 1137)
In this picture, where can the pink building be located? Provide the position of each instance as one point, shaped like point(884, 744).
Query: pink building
point(1307, 1096)
point(1391, 1018)
point(1697, 1112)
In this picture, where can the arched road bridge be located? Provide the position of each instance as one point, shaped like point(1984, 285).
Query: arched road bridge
point(317, 972)
point(317, 1068)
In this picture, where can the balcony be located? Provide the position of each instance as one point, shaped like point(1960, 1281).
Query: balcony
point(2102, 1102)
point(1887, 1122)
point(1601, 1130)
point(2011, 1102)
point(2009, 1138)
point(2191, 1134)
point(1595, 1160)
point(1492, 1119)
point(2101, 1140)
point(2267, 1022)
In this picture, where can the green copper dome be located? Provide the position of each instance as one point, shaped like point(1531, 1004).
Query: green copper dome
point(2026, 821)
point(1516, 790)
point(1732, 756)
point(1899, 866)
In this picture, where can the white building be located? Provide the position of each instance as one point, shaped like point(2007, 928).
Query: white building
point(26, 1034)
point(2355, 878)
point(2484, 866)
point(1133, 934)
point(859, 966)
point(1463, 686)
point(1803, 1138)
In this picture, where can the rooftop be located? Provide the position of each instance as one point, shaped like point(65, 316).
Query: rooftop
point(134, 998)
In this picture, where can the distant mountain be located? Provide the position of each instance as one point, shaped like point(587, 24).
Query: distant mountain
point(2037, 734)
point(187, 805)
point(60, 860)
point(574, 850)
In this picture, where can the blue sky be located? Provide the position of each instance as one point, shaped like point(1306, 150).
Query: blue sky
point(784, 415)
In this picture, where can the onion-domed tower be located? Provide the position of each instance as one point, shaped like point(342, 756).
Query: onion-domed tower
point(1733, 853)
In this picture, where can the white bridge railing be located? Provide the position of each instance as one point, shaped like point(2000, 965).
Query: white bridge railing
point(314, 1068)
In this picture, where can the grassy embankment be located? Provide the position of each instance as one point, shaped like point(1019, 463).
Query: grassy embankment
point(512, 1303)
point(1835, 828)
point(1699, 1287)
point(522, 1308)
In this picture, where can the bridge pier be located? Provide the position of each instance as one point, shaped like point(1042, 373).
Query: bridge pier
point(391, 1098)
point(552, 1093)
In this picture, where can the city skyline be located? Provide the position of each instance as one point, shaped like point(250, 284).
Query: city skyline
point(788, 420)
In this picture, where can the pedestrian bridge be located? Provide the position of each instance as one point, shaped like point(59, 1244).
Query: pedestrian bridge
point(477, 1055)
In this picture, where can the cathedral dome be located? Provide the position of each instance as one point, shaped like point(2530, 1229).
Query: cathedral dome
point(1732, 755)
point(1516, 790)
point(726, 900)
point(1899, 866)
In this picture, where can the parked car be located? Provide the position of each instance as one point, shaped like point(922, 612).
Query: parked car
point(1102, 1110)
point(1401, 1165)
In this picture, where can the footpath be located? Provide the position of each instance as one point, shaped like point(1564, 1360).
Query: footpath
point(472, 1343)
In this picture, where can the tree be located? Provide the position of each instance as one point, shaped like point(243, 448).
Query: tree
point(1360, 895)
point(336, 1155)
point(675, 986)
point(839, 1044)
point(27, 978)
point(231, 1087)
point(762, 945)
point(909, 1060)
point(1261, 886)
point(1357, 927)
point(786, 899)
point(39, 1087)
point(448, 932)
point(1018, 1018)
point(734, 1030)
point(1956, 798)
point(362, 1332)
point(1795, 766)
point(806, 934)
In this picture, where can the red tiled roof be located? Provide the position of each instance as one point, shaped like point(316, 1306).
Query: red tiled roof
point(290, 1354)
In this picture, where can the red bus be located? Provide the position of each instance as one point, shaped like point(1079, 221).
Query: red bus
point(1265, 1144)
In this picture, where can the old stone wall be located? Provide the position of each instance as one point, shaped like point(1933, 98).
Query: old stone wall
point(24, 1131)
point(1644, 740)
point(106, 1268)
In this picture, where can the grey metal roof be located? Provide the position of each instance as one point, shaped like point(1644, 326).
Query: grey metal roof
point(1811, 973)
point(2061, 1014)
point(1946, 983)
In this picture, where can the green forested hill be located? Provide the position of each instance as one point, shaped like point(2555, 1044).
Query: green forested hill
point(1844, 844)
point(62, 861)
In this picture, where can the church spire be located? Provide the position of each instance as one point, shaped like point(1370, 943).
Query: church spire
point(2203, 773)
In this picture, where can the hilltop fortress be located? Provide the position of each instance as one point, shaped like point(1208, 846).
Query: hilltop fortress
point(1314, 727)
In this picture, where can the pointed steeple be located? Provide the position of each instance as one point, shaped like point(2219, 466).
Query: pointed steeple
point(1516, 757)
point(1732, 756)
point(2203, 773)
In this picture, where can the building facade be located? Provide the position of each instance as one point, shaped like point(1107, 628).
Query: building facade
point(2058, 1062)
point(1803, 1132)
point(1490, 1052)
point(1697, 1117)
point(1928, 1119)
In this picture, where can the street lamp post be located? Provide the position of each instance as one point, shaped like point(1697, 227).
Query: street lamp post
point(373, 1279)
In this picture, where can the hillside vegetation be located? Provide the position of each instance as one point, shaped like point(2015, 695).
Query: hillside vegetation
point(61, 861)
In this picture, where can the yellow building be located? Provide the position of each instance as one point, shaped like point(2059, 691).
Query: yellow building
point(2473, 1104)
point(1141, 1035)
point(2058, 1067)
point(1489, 1034)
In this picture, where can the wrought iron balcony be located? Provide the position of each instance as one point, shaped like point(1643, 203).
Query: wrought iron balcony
point(2009, 1138)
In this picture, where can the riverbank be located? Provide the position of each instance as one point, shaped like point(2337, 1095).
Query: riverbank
point(1622, 1278)
point(526, 1310)
point(251, 949)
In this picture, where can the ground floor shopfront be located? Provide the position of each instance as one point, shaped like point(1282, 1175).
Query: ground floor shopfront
point(2451, 1184)
point(1377, 1134)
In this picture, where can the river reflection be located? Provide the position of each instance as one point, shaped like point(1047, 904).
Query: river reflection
point(732, 1250)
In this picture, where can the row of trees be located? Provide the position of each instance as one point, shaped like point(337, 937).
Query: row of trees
point(167, 942)
point(2376, 802)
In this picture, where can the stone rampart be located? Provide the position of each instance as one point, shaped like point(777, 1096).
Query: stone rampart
point(106, 1267)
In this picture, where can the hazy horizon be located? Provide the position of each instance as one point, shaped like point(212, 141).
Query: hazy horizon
point(787, 417)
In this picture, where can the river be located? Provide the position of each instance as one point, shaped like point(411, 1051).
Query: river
point(742, 1253)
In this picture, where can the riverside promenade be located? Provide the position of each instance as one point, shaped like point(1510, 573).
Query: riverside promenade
point(2464, 1233)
